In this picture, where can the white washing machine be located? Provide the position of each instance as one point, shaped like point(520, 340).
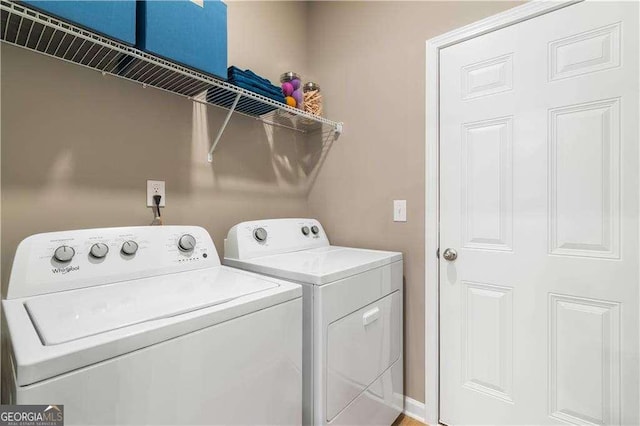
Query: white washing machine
point(352, 321)
point(142, 325)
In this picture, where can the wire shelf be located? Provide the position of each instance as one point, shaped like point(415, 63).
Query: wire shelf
point(36, 31)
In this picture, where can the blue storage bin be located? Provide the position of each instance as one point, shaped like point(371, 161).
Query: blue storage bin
point(113, 18)
point(192, 32)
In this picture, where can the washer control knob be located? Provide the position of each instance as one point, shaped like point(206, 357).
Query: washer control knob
point(305, 230)
point(129, 247)
point(99, 250)
point(260, 235)
point(64, 254)
point(187, 242)
point(315, 230)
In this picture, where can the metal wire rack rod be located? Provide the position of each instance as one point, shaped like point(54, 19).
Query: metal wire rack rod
point(94, 56)
point(188, 86)
point(73, 58)
point(224, 125)
point(178, 83)
point(276, 124)
point(139, 74)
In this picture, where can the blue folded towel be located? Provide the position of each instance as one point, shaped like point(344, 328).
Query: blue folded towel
point(233, 71)
point(257, 87)
point(252, 82)
point(248, 79)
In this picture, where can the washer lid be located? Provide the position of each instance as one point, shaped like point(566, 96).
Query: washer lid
point(318, 266)
point(67, 316)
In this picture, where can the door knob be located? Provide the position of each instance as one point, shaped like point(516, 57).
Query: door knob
point(450, 254)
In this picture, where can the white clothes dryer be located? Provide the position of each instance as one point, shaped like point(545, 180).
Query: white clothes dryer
point(352, 321)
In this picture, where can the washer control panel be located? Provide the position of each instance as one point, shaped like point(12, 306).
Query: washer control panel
point(257, 238)
point(65, 260)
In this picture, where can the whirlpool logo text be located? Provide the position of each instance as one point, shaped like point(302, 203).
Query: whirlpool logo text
point(65, 270)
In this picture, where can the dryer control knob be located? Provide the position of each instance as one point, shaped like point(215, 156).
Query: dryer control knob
point(260, 235)
point(99, 250)
point(129, 247)
point(305, 230)
point(64, 254)
point(187, 242)
point(315, 230)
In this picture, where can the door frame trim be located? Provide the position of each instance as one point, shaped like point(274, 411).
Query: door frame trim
point(432, 178)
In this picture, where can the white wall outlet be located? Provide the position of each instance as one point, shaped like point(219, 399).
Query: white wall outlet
point(399, 210)
point(155, 187)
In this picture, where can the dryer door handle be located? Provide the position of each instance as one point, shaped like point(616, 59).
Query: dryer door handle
point(370, 316)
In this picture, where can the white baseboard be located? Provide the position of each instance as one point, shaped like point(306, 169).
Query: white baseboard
point(414, 409)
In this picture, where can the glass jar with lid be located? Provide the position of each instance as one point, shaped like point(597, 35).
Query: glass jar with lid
point(312, 99)
point(291, 89)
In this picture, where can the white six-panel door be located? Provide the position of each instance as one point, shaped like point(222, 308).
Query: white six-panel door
point(539, 192)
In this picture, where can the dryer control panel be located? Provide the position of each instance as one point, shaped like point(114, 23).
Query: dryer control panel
point(258, 238)
point(56, 261)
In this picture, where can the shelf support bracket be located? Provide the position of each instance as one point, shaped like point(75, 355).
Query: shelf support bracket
point(224, 126)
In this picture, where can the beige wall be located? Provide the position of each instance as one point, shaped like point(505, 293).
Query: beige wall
point(282, 47)
point(369, 59)
point(78, 147)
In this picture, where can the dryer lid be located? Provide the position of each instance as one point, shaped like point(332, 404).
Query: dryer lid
point(318, 266)
point(67, 316)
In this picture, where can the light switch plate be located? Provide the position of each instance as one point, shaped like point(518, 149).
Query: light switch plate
point(399, 210)
point(155, 187)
